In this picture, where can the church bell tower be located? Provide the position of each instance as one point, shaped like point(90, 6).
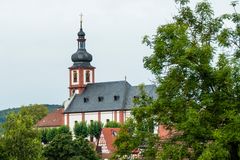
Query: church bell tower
point(81, 72)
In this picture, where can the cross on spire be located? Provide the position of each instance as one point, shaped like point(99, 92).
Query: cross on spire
point(81, 15)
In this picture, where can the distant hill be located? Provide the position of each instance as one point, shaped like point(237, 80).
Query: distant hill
point(4, 113)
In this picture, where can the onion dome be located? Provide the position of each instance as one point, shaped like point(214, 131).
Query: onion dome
point(81, 58)
point(81, 33)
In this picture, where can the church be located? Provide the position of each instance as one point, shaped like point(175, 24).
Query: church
point(89, 100)
point(92, 101)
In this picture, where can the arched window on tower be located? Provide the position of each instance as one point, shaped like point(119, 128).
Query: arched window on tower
point(74, 76)
point(87, 76)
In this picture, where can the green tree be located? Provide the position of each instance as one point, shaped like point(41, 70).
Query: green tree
point(21, 140)
point(43, 133)
point(63, 129)
point(81, 129)
point(112, 124)
point(61, 147)
point(84, 150)
point(51, 133)
point(2, 150)
point(198, 98)
point(37, 111)
point(95, 129)
point(198, 89)
point(137, 132)
point(48, 134)
point(64, 148)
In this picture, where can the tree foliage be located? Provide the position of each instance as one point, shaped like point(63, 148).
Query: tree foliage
point(37, 111)
point(81, 129)
point(51, 133)
point(112, 124)
point(95, 129)
point(64, 148)
point(21, 140)
point(196, 63)
point(138, 131)
point(48, 134)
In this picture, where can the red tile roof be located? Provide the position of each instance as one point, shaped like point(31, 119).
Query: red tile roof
point(165, 133)
point(110, 136)
point(53, 119)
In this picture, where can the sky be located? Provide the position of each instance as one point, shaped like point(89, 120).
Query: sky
point(38, 37)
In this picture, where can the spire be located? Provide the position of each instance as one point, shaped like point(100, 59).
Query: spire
point(81, 34)
point(81, 58)
point(81, 15)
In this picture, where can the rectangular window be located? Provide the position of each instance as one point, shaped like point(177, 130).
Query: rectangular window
point(75, 79)
point(87, 75)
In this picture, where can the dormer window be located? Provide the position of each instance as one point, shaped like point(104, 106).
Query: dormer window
point(100, 99)
point(116, 97)
point(114, 133)
point(85, 99)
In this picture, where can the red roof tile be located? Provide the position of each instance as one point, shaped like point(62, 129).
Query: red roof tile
point(53, 119)
point(110, 136)
point(165, 133)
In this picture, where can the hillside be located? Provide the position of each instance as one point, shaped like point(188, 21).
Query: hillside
point(5, 112)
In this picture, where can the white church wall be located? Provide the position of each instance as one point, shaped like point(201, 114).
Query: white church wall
point(65, 119)
point(91, 116)
point(118, 119)
point(73, 118)
point(127, 114)
point(106, 116)
point(95, 116)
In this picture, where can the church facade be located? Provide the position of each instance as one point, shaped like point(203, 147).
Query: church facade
point(91, 101)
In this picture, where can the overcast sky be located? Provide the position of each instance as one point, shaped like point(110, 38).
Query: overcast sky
point(38, 37)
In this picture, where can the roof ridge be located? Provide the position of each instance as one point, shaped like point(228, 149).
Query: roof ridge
point(144, 85)
point(108, 82)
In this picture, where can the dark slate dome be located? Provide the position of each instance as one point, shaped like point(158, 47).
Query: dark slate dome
point(81, 56)
point(81, 33)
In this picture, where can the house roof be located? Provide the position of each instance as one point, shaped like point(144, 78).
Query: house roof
point(53, 119)
point(166, 133)
point(110, 137)
point(115, 95)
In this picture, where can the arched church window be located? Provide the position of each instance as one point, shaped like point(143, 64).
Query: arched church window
point(74, 76)
point(87, 76)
